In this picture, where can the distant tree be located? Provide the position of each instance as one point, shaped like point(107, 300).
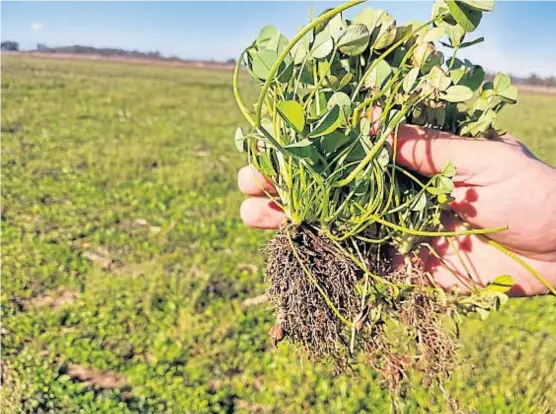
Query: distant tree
point(534, 80)
point(231, 61)
point(10, 46)
point(551, 81)
point(41, 46)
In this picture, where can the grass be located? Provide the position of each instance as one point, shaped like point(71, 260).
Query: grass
point(123, 252)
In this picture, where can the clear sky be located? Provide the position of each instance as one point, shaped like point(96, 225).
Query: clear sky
point(520, 36)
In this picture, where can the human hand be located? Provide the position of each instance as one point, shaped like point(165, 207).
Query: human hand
point(497, 183)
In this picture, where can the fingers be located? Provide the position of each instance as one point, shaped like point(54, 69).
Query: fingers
point(262, 213)
point(428, 150)
point(252, 183)
point(258, 211)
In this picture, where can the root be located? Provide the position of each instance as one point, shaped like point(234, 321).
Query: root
point(394, 333)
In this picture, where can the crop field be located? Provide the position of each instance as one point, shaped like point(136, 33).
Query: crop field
point(127, 274)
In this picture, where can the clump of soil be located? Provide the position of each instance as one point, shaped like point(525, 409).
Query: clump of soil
point(300, 258)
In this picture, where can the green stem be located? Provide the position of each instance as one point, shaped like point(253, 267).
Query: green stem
point(376, 147)
point(523, 263)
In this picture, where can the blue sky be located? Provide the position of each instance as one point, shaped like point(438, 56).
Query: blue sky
point(519, 35)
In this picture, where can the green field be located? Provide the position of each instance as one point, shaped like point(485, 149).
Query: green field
point(125, 265)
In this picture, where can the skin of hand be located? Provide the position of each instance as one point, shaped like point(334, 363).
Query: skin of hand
point(497, 183)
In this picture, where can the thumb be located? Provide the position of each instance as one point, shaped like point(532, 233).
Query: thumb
point(427, 151)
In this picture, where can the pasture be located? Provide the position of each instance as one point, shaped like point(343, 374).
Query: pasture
point(126, 268)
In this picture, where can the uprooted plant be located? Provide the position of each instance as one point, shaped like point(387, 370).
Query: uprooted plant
point(317, 136)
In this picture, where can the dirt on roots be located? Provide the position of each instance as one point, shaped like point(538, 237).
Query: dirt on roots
point(307, 273)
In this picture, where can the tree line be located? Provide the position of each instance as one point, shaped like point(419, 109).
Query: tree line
point(12, 46)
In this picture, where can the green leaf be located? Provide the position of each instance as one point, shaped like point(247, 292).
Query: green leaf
point(449, 170)
point(458, 93)
point(265, 35)
point(472, 42)
point(239, 140)
point(336, 26)
point(501, 82)
point(443, 185)
point(422, 53)
point(331, 142)
point(474, 78)
point(502, 298)
point(345, 80)
point(379, 75)
point(355, 40)
point(286, 70)
point(262, 63)
point(509, 94)
point(420, 203)
point(484, 5)
point(434, 34)
point(384, 157)
point(366, 17)
point(292, 112)
point(468, 18)
point(365, 128)
point(457, 74)
point(318, 106)
point(344, 103)
point(328, 123)
point(301, 49)
point(277, 43)
point(483, 313)
point(455, 33)
point(323, 45)
point(502, 284)
point(387, 31)
point(410, 79)
point(266, 165)
point(301, 149)
point(438, 79)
